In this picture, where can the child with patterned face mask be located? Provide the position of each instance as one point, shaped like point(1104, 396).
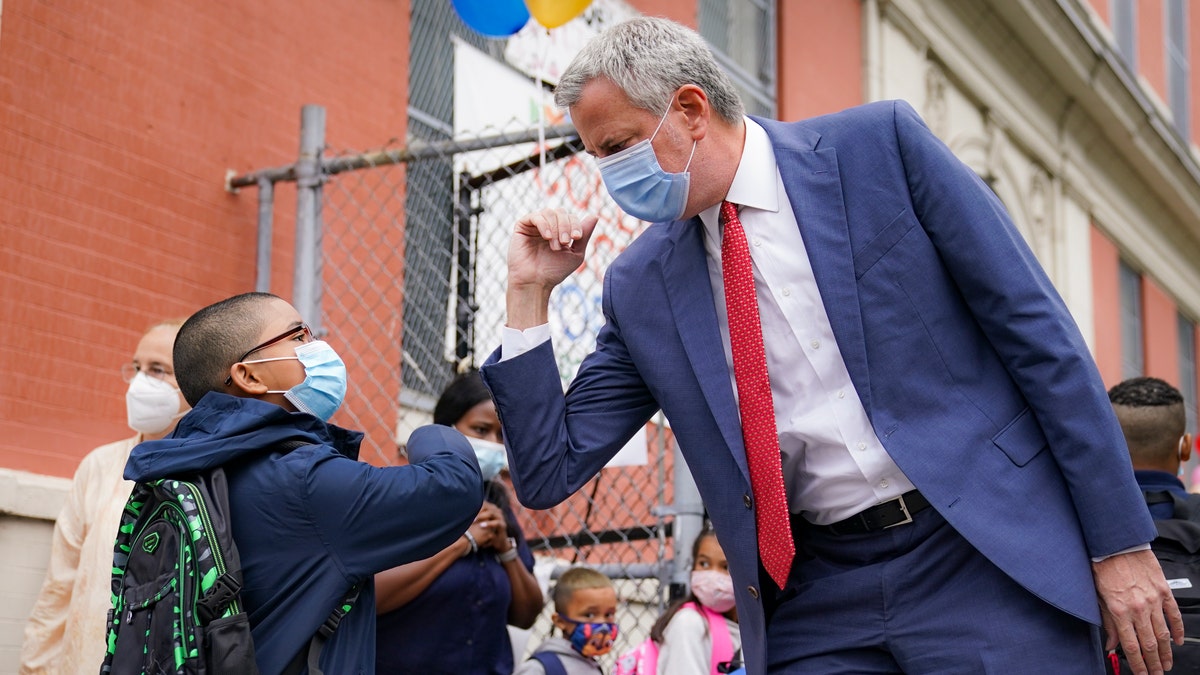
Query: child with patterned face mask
point(683, 632)
point(585, 610)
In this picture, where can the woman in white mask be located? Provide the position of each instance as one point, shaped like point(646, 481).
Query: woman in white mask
point(448, 613)
point(700, 631)
point(69, 617)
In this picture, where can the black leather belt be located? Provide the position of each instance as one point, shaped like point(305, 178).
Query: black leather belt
point(898, 511)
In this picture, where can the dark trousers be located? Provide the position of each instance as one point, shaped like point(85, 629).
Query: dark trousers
point(915, 599)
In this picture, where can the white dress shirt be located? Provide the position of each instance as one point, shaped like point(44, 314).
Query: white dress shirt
point(833, 464)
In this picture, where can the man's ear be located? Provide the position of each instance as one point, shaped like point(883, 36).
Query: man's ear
point(696, 108)
point(1185, 448)
point(245, 381)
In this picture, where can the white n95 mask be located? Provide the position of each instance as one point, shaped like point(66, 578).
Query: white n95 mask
point(151, 404)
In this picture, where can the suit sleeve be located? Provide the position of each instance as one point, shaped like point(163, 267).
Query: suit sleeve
point(558, 442)
point(1029, 326)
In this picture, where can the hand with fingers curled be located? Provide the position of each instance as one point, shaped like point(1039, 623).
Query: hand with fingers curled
point(547, 246)
point(1138, 611)
point(489, 528)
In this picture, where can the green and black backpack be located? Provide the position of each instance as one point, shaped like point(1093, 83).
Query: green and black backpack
point(176, 584)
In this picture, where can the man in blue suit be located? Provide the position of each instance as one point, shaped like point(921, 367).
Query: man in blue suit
point(934, 481)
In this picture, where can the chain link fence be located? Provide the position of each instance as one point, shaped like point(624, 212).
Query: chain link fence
point(400, 263)
point(411, 304)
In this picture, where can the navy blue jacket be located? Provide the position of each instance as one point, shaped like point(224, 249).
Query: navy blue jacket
point(1161, 481)
point(311, 523)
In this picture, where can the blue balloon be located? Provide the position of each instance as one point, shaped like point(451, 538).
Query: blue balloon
point(493, 18)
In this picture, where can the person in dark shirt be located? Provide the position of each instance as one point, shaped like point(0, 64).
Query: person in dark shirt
point(448, 613)
point(1152, 417)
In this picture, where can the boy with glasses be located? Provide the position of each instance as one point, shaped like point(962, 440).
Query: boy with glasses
point(309, 520)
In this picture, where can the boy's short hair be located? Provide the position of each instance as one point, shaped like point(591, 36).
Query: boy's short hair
point(574, 579)
point(212, 339)
point(1153, 417)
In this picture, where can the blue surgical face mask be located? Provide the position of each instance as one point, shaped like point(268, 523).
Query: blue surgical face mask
point(639, 185)
point(491, 456)
point(324, 386)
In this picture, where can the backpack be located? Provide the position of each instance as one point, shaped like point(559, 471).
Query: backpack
point(551, 663)
point(176, 586)
point(1177, 548)
point(643, 659)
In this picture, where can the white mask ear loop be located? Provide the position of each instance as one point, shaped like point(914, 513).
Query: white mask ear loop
point(689, 162)
point(661, 120)
point(660, 123)
point(276, 358)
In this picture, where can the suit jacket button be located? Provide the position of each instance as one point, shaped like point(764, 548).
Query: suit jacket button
point(753, 592)
point(749, 502)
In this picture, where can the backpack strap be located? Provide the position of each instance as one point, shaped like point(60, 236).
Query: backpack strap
point(551, 663)
point(718, 631)
point(1186, 508)
point(224, 590)
point(311, 657)
point(1157, 497)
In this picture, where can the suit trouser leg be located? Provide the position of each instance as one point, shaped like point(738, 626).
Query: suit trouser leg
point(916, 599)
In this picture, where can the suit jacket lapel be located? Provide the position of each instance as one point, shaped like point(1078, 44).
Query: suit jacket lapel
point(689, 293)
point(814, 189)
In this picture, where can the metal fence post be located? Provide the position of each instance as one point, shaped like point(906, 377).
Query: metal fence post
point(266, 217)
point(689, 519)
point(306, 281)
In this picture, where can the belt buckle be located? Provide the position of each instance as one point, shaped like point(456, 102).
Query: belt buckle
point(903, 509)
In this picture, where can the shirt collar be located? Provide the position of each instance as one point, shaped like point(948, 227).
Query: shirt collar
point(754, 185)
point(1151, 479)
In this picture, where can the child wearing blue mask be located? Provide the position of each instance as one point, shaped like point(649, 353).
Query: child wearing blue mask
point(310, 521)
point(585, 610)
point(450, 612)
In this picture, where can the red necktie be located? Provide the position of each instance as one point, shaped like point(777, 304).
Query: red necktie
point(775, 545)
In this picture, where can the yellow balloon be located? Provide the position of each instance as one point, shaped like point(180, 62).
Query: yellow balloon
point(554, 13)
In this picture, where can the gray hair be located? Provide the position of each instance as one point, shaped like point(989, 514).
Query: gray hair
point(648, 58)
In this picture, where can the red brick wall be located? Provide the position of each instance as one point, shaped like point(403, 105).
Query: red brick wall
point(1151, 45)
point(1193, 14)
point(1196, 351)
point(1106, 264)
point(820, 63)
point(686, 12)
point(118, 121)
point(1160, 332)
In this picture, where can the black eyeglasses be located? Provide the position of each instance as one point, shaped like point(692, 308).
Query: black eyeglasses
point(289, 333)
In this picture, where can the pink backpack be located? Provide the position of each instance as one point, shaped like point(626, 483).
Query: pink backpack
point(643, 659)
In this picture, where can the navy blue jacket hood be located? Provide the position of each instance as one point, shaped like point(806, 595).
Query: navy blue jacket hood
point(223, 428)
